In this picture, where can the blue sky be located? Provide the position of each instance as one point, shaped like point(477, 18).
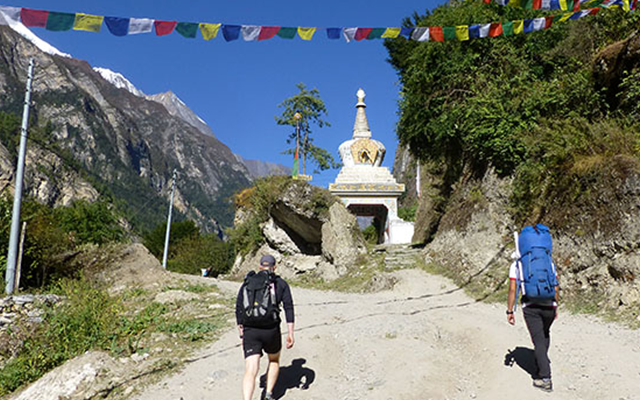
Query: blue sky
point(236, 86)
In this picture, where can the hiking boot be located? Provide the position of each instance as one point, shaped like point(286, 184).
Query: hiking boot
point(269, 396)
point(543, 384)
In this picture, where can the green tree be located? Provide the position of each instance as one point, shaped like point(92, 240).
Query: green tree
point(154, 240)
point(311, 108)
point(90, 222)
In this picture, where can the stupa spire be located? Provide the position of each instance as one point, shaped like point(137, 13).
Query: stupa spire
point(361, 126)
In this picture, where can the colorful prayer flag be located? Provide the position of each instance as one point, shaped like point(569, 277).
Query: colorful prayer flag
point(528, 26)
point(539, 24)
point(164, 27)
point(376, 33)
point(187, 29)
point(268, 32)
point(507, 28)
point(140, 25)
point(474, 31)
point(250, 32)
point(88, 22)
point(362, 33)
point(406, 32)
point(420, 34)
point(449, 32)
point(391, 33)
point(436, 33)
point(349, 34)
point(306, 33)
point(496, 30)
point(117, 26)
point(518, 27)
point(231, 32)
point(462, 32)
point(334, 33)
point(209, 31)
point(34, 18)
point(287, 33)
point(58, 21)
point(294, 170)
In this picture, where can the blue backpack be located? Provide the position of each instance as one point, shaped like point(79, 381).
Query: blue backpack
point(536, 272)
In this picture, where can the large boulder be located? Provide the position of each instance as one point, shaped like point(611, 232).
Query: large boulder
point(342, 242)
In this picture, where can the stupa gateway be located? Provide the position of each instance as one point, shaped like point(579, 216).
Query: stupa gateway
point(365, 187)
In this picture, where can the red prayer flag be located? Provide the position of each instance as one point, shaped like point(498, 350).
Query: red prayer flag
point(537, 4)
point(37, 18)
point(495, 29)
point(487, 1)
point(549, 22)
point(164, 27)
point(436, 33)
point(267, 32)
point(594, 11)
point(362, 33)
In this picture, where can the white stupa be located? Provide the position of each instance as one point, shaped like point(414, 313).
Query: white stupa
point(367, 188)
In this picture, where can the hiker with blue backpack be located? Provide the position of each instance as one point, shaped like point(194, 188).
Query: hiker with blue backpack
point(533, 276)
point(258, 318)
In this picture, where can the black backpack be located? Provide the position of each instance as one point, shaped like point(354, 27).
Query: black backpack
point(259, 306)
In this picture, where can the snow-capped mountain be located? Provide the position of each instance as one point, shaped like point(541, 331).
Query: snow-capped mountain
point(178, 108)
point(119, 81)
point(11, 16)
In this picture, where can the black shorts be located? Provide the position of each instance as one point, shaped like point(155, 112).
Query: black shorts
point(255, 340)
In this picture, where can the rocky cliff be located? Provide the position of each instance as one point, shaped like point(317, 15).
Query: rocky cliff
point(121, 145)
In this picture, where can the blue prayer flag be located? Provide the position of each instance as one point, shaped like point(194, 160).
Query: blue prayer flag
point(474, 31)
point(231, 32)
point(334, 33)
point(117, 26)
point(528, 25)
point(406, 32)
point(555, 4)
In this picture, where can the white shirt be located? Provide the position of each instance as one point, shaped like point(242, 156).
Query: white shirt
point(513, 275)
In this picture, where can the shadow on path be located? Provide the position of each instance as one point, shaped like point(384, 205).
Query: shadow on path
point(293, 376)
point(525, 358)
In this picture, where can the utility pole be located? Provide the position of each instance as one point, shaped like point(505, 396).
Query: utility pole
point(418, 179)
point(17, 196)
point(296, 162)
point(166, 238)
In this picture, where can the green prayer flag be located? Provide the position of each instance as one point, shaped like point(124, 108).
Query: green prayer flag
point(287, 33)
point(526, 4)
point(570, 5)
point(187, 29)
point(58, 21)
point(376, 33)
point(449, 33)
point(507, 28)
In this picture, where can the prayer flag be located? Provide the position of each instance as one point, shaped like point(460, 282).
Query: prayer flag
point(625, 5)
point(462, 32)
point(9, 15)
point(449, 32)
point(406, 32)
point(88, 22)
point(507, 28)
point(548, 22)
point(294, 170)
point(474, 31)
point(518, 27)
point(391, 33)
point(140, 25)
point(209, 31)
point(526, 4)
point(546, 5)
point(287, 33)
point(268, 32)
point(565, 17)
point(555, 4)
point(187, 29)
point(250, 32)
point(376, 33)
point(539, 24)
point(362, 33)
point(484, 30)
point(594, 11)
point(502, 2)
point(563, 4)
point(231, 32)
point(496, 30)
point(349, 34)
point(436, 33)
point(35, 18)
point(306, 33)
point(117, 26)
point(528, 26)
point(164, 27)
point(537, 4)
point(420, 34)
point(58, 21)
point(334, 33)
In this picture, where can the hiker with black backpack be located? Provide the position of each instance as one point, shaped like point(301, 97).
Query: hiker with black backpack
point(258, 318)
point(533, 274)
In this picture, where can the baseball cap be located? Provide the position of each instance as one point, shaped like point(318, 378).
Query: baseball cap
point(267, 261)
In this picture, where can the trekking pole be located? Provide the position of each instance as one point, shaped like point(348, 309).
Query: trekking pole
point(518, 269)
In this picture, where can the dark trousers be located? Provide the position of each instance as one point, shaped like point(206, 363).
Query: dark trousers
point(539, 322)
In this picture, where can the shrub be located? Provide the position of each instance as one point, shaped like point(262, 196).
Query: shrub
point(90, 222)
point(195, 253)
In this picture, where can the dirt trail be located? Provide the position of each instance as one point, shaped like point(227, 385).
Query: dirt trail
point(441, 346)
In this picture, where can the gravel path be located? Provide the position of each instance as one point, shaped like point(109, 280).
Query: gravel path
point(438, 345)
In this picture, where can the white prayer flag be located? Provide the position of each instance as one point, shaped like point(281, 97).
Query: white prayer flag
point(140, 25)
point(349, 34)
point(420, 34)
point(539, 24)
point(250, 32)
point(484, 30)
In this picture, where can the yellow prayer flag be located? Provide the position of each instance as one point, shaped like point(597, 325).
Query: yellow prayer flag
point(391, 33)
point(209, 31)
point(565, 16)
point(462, 32)
point(625, 5)
point(518, 26)
point(563, 5)
point(88, 22)
point(306, 33)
